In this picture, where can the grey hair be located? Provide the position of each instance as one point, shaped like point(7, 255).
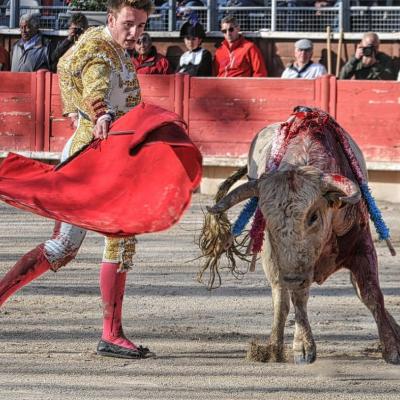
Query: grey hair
point(372, 35)
point(230, 19)
point(33, 20)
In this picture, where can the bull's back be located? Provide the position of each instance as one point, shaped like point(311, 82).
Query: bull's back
point(260, 150)
point(261, 146)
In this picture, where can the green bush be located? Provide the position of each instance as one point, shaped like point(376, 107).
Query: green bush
point(88, 5)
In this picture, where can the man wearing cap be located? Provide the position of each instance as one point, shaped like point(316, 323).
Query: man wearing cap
point(303, 66)
point(146, 59)
point(237, 56)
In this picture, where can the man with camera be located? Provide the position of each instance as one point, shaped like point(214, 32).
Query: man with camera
point(368, 62)
point(77, 24)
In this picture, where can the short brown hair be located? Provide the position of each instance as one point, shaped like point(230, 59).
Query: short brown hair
point(79, 19)
point(116, 5)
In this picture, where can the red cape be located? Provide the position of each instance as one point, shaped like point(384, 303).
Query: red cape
point(127, 184)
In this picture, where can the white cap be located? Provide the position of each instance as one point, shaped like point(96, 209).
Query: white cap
point(304, 44)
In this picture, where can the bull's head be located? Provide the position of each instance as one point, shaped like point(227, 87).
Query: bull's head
point(298, 205)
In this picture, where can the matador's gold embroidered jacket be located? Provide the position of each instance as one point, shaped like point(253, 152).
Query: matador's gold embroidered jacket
point(96, 77)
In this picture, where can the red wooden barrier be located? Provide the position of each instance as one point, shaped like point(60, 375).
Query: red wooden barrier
point(58, 128)
point(18, 111)
point(370, 112)
point(223, 114)
point(156, 89)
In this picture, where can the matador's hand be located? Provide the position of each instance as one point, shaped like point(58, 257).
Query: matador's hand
point(101, 128)
point(73, 119)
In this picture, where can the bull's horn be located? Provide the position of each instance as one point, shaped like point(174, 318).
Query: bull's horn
point(242, 192)
point(342, 185)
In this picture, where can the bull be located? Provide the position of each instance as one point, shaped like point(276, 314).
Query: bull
point(316, 223)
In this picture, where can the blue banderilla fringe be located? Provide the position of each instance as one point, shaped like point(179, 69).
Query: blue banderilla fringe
point(375, 213)
point(244, 217)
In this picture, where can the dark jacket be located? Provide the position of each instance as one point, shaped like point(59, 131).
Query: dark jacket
point(4, 59)
point(59, 51)
point(33, 59)
point(195, 63)
point(382, 70)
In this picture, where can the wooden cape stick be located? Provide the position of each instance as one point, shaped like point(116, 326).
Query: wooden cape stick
point(70, 158)
point(339, 53)
point(328, 49)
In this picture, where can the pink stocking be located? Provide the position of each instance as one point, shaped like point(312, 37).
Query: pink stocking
point(28, 268)
point(112, 286)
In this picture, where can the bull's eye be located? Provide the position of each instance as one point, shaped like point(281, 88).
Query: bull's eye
point(312, 219)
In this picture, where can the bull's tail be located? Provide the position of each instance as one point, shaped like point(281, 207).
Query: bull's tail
point(216, 239)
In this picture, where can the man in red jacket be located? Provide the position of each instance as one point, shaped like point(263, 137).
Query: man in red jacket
point(237, 56)
point(146, 59)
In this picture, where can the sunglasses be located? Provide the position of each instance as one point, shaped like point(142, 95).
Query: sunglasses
point(230, 30)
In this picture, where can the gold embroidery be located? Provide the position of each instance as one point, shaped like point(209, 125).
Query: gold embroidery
point(120, 251)
point(96, 69)
point(98, 72)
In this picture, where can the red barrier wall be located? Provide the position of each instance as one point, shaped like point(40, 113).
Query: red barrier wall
point(223, 115)
point(370, 112)
point(18, 111)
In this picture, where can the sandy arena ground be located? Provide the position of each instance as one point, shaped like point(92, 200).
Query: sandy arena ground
point(50, 329)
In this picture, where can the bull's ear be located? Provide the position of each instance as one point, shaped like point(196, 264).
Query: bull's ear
point(339, 189)
point(242, 192)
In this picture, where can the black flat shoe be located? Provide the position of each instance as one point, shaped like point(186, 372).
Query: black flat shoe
point(112, 350)
point(145, 352)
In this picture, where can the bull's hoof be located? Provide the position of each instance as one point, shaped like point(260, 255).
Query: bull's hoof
point(391, 347)
point(266, 352)
point(307, 358)
point(392, 357)
point(304, 354)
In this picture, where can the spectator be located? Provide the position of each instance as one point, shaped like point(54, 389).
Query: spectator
point(31, 52)
point(4, 59)
point(368, 62)
point(237, 56)
point(146, 59)
point(303, 66)
point(77, 24)
point(196, 61)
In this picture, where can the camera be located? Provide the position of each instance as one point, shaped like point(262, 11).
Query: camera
point(78, 31)
point(368, 51)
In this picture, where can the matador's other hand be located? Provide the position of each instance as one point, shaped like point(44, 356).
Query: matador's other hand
point(102, 127)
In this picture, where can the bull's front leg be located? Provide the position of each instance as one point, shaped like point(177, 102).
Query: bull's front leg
point(274, 351)
point(304, 349)
point(364, 269)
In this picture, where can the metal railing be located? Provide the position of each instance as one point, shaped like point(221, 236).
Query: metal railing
point(342, 16)
point(378, 19)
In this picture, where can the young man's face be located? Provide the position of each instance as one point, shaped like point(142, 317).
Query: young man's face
point(191, 42)
point(230, 31)
point(126, 26)
point(27, 31)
